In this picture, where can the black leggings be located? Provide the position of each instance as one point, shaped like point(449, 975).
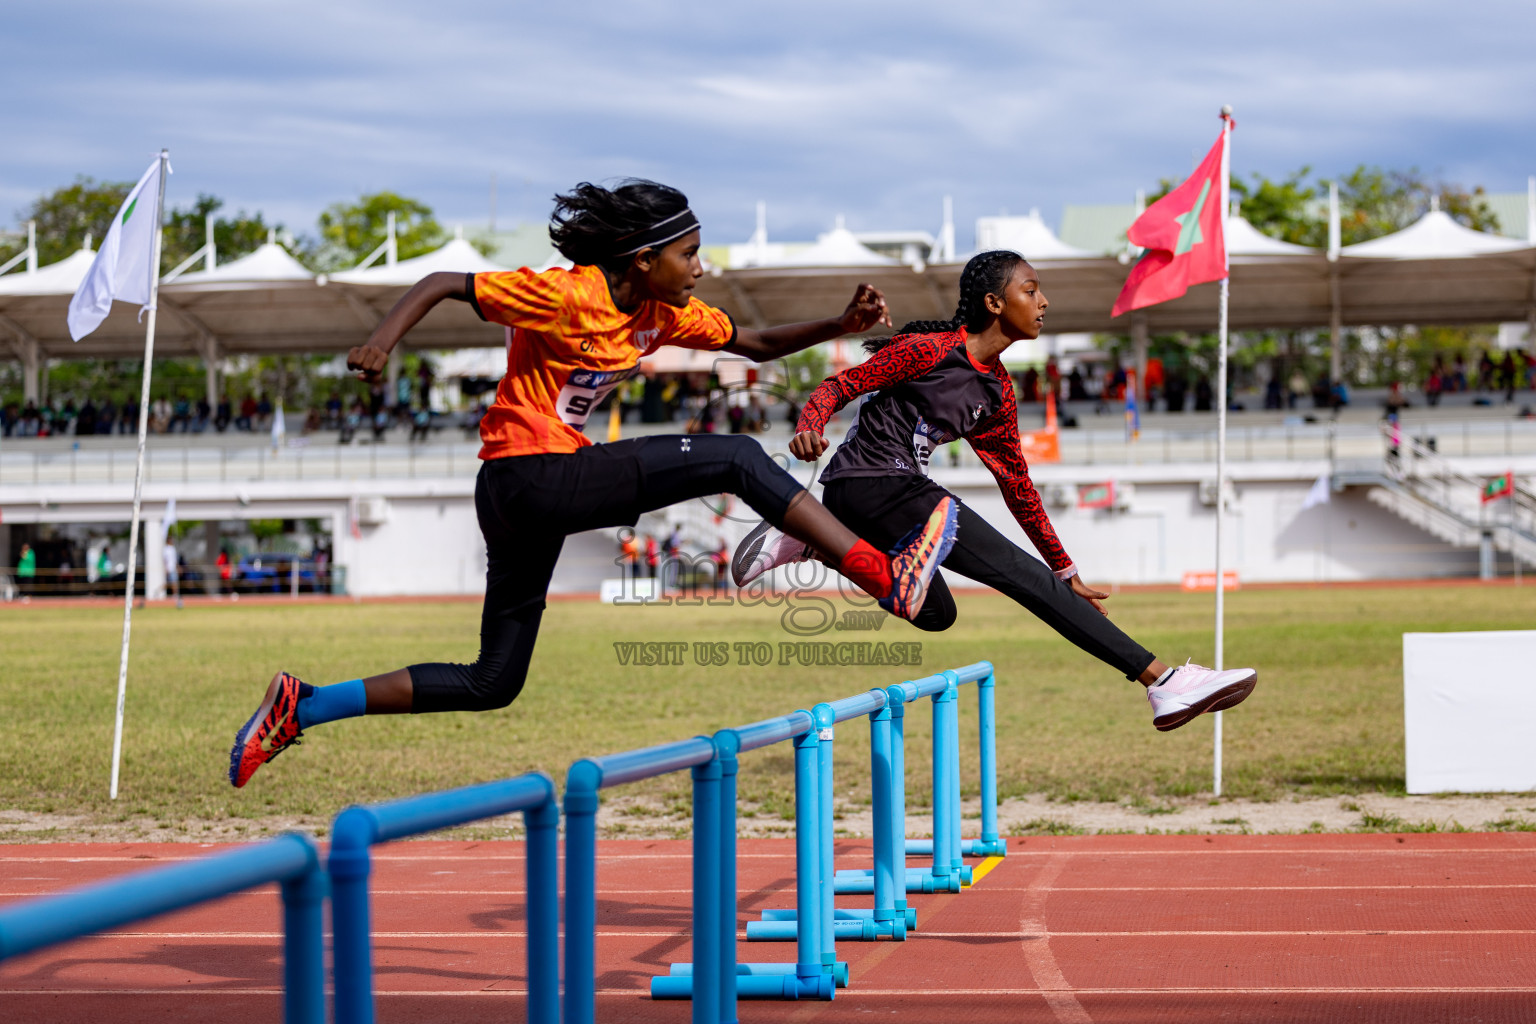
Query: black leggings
point(882, 509)
point(528, 504)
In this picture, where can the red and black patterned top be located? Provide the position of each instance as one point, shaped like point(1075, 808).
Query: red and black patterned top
point(930, 391)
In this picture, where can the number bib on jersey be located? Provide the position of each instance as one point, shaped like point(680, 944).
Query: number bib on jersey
point(926, 437)
point(585, 389)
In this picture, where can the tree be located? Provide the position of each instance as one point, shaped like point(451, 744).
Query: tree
point(350, 231)
point(186, 232)
point(67, 215)
point(1375, 202)
point(1285, 209)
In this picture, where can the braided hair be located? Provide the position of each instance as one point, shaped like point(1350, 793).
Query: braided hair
point(589, 220)
point(986, 273)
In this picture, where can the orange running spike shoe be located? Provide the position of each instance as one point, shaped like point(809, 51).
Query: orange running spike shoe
point(917, 558)
point(272, 729)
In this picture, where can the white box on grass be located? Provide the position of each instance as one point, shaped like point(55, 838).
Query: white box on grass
point(1469, 711)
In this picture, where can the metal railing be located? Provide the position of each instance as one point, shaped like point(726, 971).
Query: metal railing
point(326, 460)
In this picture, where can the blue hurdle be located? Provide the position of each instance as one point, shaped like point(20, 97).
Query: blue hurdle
point(358, 828)
point(715, 980)
point(585, 779)
point(291, 860)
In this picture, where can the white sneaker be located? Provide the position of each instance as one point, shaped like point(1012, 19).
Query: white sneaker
point(1193, 690)
point(765, 548)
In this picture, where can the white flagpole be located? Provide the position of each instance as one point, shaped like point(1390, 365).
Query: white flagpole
point(1221, 424)
point(138, 475)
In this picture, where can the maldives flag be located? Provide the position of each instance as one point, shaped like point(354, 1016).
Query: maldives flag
point(1183, 235)
point(1501, 486)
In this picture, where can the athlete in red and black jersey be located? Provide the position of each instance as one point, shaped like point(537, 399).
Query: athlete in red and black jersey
point(935, 382)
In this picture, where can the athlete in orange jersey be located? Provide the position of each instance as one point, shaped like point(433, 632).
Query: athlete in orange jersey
point(572, 337)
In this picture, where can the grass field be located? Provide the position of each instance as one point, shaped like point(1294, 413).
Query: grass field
point(1325, 719)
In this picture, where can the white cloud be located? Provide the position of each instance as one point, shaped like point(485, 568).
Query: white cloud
point(872, 110)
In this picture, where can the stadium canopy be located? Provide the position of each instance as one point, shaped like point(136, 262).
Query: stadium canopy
point(1434, 236)
point(1434, 272)
point(836, 248)
point(1028, 236)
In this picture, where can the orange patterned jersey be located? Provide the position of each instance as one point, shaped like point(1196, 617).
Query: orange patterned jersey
point(568, 346)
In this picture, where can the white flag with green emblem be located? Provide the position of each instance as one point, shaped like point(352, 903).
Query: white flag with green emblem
point(122, 268)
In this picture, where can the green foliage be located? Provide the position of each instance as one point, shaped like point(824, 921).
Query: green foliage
point(1373, 202)
point(67, 215)
point(185, 232)
point(803, 371)
point(350, 231)
point(1283, 209)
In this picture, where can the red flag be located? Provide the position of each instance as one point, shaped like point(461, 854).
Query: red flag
point(1184, 237)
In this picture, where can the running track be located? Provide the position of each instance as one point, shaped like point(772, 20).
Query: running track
point(1182, 929)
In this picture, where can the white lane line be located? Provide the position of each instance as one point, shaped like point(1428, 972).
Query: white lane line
point(905, 993)
point(1261, 888)
point(1023, 935)
point(1037, 946)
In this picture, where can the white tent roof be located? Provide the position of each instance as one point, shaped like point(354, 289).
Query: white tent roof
point(836, 248)
point(458, 256)
point(1243, 239)
point(61, 278)
point(270, 262)
point(1028, 236)
point(1434, 236)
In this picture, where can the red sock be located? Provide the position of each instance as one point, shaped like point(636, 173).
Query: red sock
point(869, 568)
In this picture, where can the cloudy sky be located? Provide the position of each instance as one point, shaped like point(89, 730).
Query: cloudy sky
point(819, 107)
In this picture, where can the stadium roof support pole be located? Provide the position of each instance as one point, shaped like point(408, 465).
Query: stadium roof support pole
point(138, 473)
point(1221, 434)
point(1336, 311)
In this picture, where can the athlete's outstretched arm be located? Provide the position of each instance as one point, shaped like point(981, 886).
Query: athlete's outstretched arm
point(370, 358)
point(867, 309)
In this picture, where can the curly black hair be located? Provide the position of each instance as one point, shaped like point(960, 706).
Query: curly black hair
point(589, 220)
point(986, 273)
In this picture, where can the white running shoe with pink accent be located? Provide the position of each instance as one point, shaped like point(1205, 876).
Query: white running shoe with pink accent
point(764, 548)
point(1194, 690)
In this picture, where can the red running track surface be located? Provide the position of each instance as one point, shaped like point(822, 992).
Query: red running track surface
point(1182, 929)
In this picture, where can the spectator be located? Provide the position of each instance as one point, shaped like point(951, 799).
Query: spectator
point(424, 383)
point(159, 416)
point(204, 414)
point(629, 554)
point(1435, 383)
point(264, 411)
point(1077, 391)
point(26, 570)
point(85, 420)
point(652, 556)
point(1031, 386)
point(172, 570)
point(247, 418)
point(223, 415)
point(1203, 394)
point(722, 559)
point(421, 424)
point(128, 420)
point(106, 417)
point(1155, 382)
point(1178, 387)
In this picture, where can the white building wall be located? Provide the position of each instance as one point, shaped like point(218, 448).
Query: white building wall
point(429, 541)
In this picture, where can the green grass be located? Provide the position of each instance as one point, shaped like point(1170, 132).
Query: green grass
point(1326, 718)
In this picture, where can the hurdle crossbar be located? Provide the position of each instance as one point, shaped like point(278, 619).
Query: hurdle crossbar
point(357, 829)
point(291, 860)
